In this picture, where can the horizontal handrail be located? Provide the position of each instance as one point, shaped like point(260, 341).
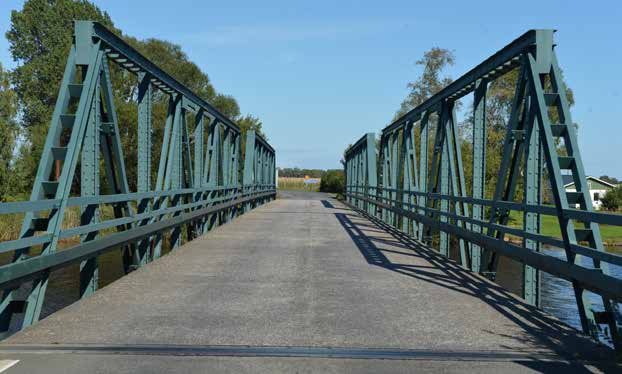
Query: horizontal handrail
point(544, 239)
point(580, 215)
point(590, 279)
point(12, 275)
point(43, 205)
point(11, 245)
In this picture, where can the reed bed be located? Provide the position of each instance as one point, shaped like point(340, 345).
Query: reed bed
point(289, 183)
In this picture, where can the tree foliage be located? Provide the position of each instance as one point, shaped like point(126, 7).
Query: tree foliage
point(498, 109)
point(8, 134)
point(39, 40)
point(249, 122)
point(430, 82)
point(612, 199)
point(333, 181)
point(40, 37)
point(300, 173)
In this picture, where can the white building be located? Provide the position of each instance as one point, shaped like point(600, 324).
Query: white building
point(598, 188)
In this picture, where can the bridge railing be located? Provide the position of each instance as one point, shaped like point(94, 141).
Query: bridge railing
point(417, 183)
point(203, 179)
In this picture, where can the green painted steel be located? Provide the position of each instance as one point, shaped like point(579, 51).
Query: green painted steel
point(259, 166)
point(536, 152)
point(479, 162)
point(196, 187)
point(361, 173)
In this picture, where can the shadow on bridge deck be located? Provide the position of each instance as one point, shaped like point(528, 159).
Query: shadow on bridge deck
point(303, 284)
point(540, 329)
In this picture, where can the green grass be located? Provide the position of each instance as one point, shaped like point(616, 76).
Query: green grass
point(550, 227)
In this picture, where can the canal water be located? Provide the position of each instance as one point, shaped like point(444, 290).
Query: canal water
point(557, 297)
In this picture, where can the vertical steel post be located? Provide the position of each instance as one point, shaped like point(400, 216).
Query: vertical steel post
point(444, 179)
point(395, 176)
point(162, 182)
point(89, 186)
point(214, 169)
point(174, 168)
point(371, 187)
point(479, 164)
point(226, 169)
point(144, 158)
point(408, 161)
point(198, 182)
point(235, 175)
point(386, 170)
point(249, 162)
point(144, 134)
point(422, 201)
point(531, 221)
point(457, 183)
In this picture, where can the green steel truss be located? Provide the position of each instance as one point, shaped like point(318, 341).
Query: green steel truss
point(259, 167)
point(423, 191)
point(198, 184)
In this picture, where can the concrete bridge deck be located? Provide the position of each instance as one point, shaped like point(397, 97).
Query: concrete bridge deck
point(301, 284)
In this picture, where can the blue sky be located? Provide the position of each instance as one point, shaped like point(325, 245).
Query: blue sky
point(320, 73)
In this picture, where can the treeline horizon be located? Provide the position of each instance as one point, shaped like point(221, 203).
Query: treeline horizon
point(301, 173)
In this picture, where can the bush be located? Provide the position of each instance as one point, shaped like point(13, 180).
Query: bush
point(333, 181)
point(612, 199)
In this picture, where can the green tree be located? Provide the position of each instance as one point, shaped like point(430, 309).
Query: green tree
point(498, 110)
point(430, 82)
point(612, 199)
point(248, 122)
point(40, 37)
point(8, 134)
point(333, 181)
point(301, 173)
point(227, 105)
point(498, 107)
point(39, 40)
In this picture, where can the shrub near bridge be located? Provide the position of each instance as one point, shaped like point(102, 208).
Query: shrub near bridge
point(333, 181)
point(612, 199)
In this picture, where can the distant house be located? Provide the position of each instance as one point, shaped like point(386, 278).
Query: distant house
point(598, 188)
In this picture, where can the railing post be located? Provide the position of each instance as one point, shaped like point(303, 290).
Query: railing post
point(89, 186)
point(249, 163)
point(531, 221)
point(372, 173)
point(479, 164)
point(422, 201)
point(444, 179)
point(144, 157)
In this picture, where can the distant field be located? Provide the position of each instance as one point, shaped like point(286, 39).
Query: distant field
point(287, 183)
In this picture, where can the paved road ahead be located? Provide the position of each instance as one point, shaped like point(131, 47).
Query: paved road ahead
point(299, 285)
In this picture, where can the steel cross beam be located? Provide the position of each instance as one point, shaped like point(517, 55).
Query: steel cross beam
point(539, 144)
point(197, 186)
